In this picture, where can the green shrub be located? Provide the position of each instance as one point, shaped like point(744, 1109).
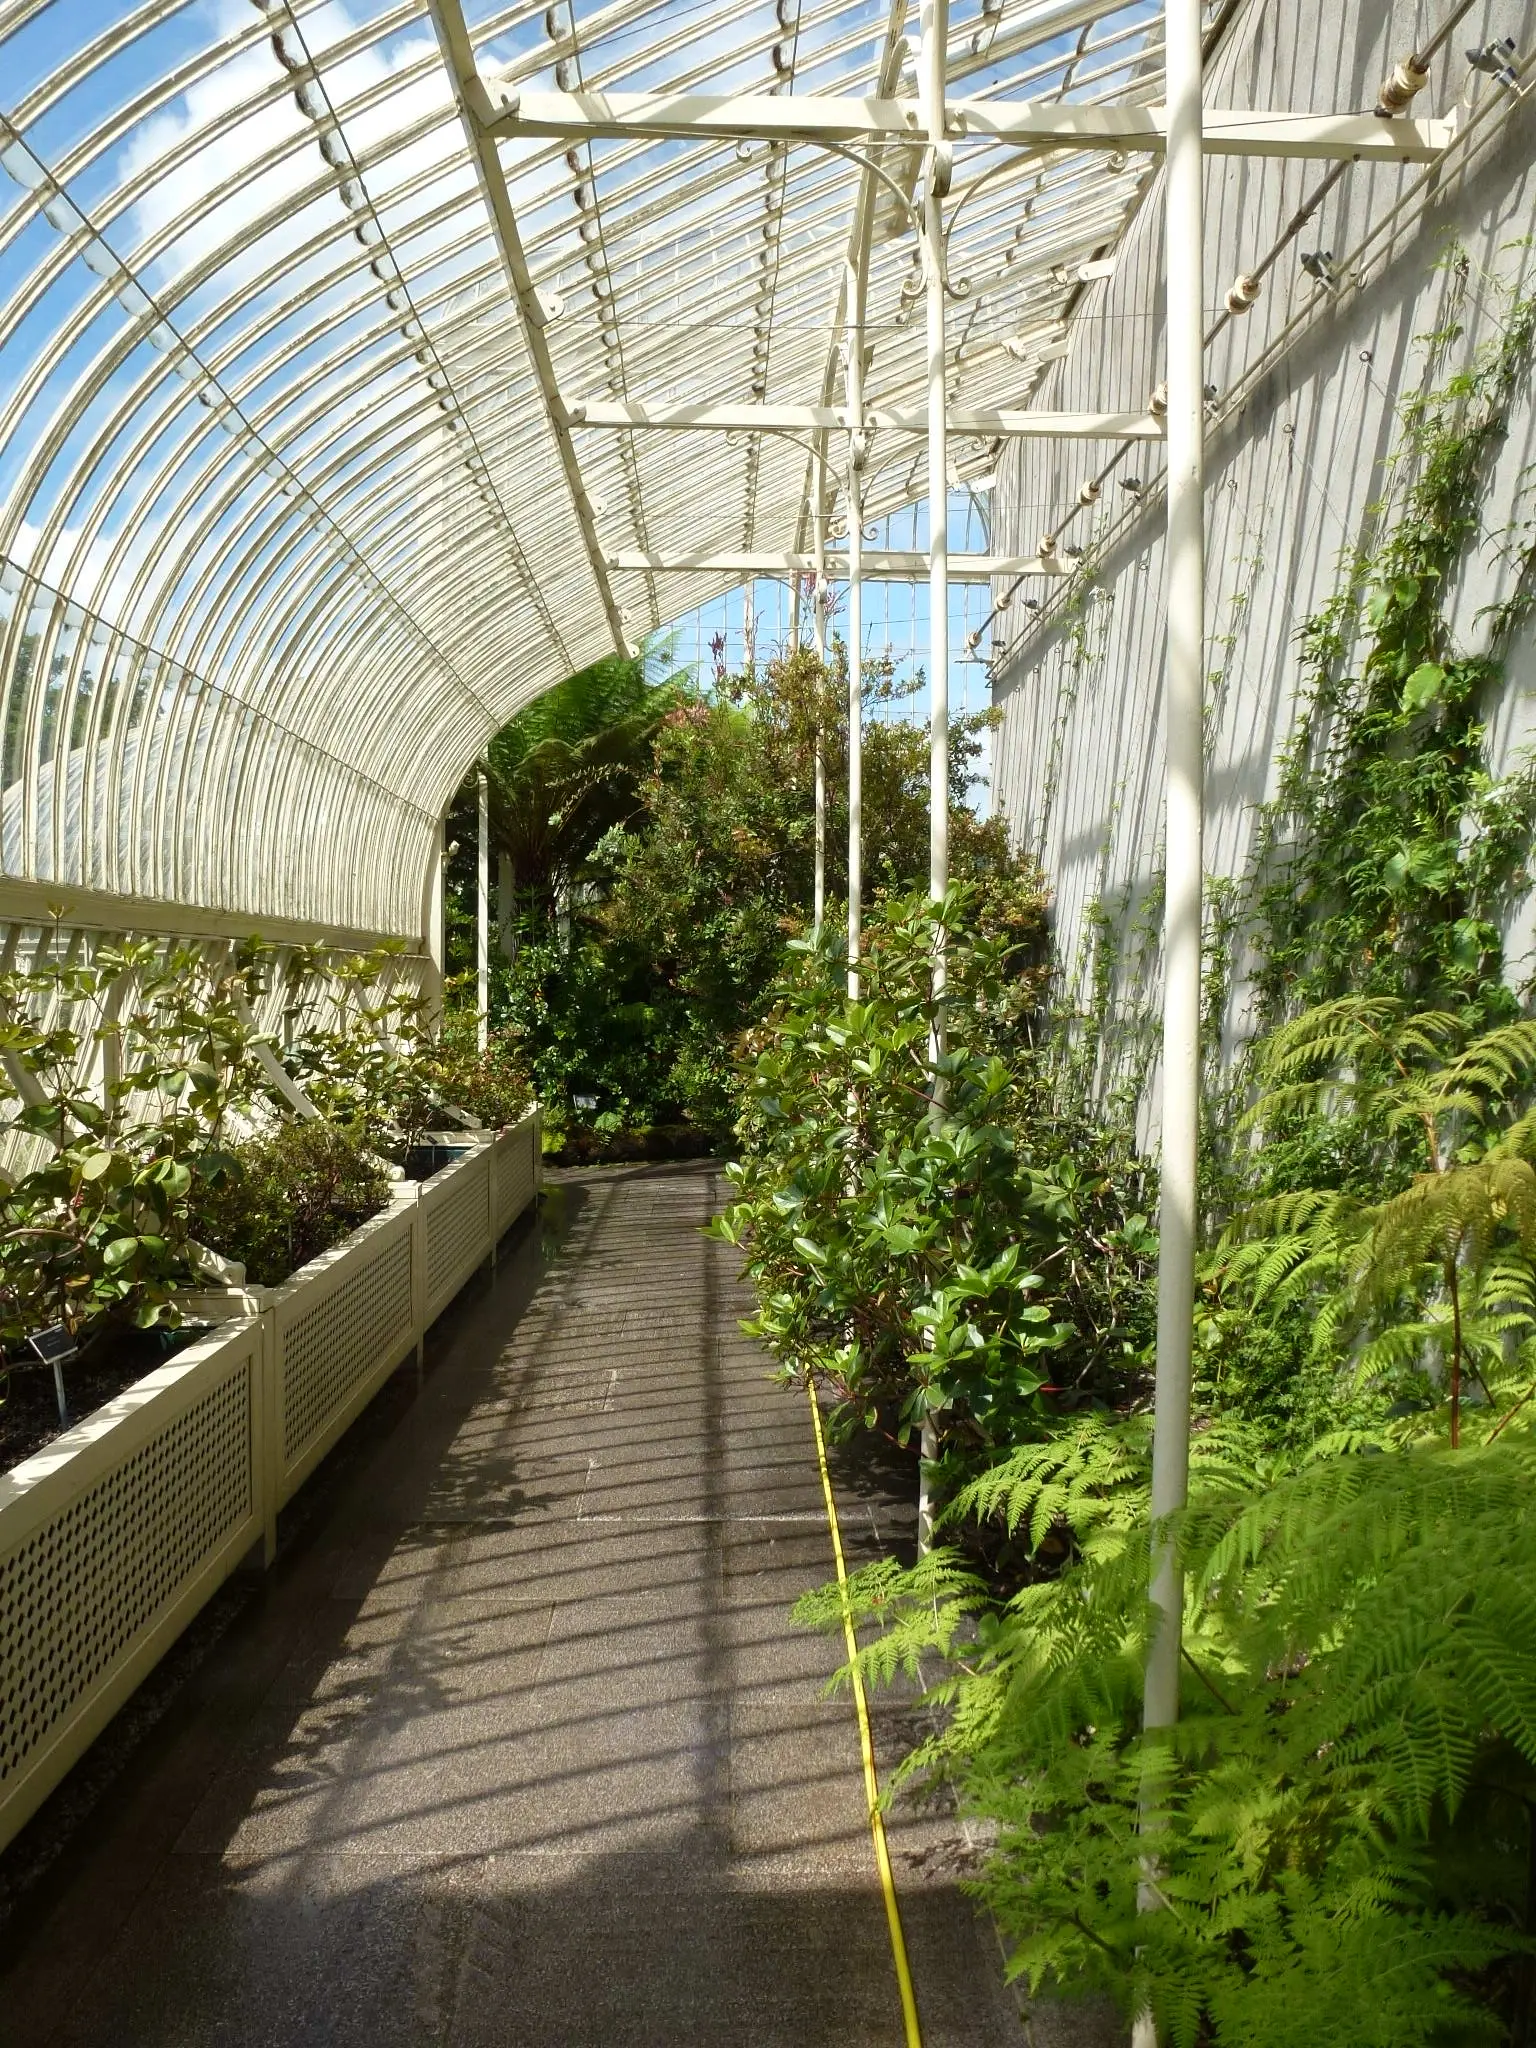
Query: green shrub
point(976, 1262)
point(95, 1225)
point(491, 1085)
point(288, 1196)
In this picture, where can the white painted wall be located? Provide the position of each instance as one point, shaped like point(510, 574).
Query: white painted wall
point(1079, 759)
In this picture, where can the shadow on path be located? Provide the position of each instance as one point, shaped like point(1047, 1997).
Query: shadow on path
point(516, 1745)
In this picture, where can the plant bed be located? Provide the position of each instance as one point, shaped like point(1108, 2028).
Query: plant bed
point(116, 1533)
point(293, 1193)
point(113, 1360)
point(583, 1146)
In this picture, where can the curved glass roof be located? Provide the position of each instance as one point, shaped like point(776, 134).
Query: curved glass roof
point(301, 499)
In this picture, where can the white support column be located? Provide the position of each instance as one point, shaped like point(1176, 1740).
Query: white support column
point(483, 912)
point(1183, 718)
point(935, 23)
point(934, 78)
point(854, 388)
point(434, 934)
point(819, 642)
point(1185, 804)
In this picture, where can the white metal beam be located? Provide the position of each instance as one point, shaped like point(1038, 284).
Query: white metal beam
point(503, 109)
point(482, 908)
point(1183, 727)
point(855, 265)
point(459, 59)
point(887, 564)
point(985, 422)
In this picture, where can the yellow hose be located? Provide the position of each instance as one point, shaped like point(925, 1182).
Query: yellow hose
point(914, 2035)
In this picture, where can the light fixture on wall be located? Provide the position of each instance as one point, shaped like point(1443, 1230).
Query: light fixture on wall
point(1318, 264)
point(1497, 61)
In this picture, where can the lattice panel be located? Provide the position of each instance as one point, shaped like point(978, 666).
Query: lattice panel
point(332, 1347)
point(458, 1231)
point(514, 1177)
point(79, 1590)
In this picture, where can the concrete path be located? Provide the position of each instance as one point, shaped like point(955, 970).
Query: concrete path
point(517, 1745)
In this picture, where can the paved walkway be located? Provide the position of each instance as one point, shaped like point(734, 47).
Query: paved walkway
point(516, 1747)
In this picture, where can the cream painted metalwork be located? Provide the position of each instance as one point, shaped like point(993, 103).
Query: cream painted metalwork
point(336, 335)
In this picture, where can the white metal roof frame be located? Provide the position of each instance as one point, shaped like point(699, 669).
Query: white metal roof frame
point(368, 367)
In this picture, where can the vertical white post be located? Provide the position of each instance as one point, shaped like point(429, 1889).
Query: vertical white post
point(748, 629)
point(935, 28)
point(483, 912)
point(433, 926)
point(854, 387)
point(855, 728)
point(934, 81)
point(506, 936)
point(1185, 805)
point(1183, 718)
point(819, 642)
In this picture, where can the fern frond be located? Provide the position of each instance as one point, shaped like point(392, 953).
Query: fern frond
point(1494, 1064)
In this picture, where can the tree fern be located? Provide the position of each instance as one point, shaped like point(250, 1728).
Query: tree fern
point(1346, 1790)
point(1403, 1274)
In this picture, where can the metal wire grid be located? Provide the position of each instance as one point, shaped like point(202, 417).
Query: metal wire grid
point(283, 531)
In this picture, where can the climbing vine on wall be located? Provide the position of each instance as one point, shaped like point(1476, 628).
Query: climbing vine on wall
point(1389, 857)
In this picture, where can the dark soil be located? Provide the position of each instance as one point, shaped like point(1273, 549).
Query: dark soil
point(616, 1148)
point(106, 1367)
point(422, 1161)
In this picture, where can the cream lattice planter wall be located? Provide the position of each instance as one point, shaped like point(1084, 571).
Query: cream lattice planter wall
point(334, 1333)
point(111, 1539)
point(114, 1536)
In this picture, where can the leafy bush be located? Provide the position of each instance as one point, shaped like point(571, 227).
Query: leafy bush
point(357, 1034)
point(964, 1255)
point(366, 1054)
point(97, 1225)
point(287, 1196)
point(1336, 1844)
point(491, 1085)
point(661, 850)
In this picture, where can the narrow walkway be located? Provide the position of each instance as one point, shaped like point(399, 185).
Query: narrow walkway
point(517, 1746)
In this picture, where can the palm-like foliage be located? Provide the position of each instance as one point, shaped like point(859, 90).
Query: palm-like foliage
point(1439, 1264)
point(549, 809)
point(1345, 1798)
point(559, 775)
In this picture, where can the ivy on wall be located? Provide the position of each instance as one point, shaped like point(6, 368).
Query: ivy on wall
point(1389, 858)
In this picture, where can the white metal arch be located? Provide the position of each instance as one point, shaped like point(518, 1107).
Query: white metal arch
point(328, 351)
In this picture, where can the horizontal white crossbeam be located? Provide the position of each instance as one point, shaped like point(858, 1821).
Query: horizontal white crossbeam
point(879, 564)
point(980, 421)
point(505, 110)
